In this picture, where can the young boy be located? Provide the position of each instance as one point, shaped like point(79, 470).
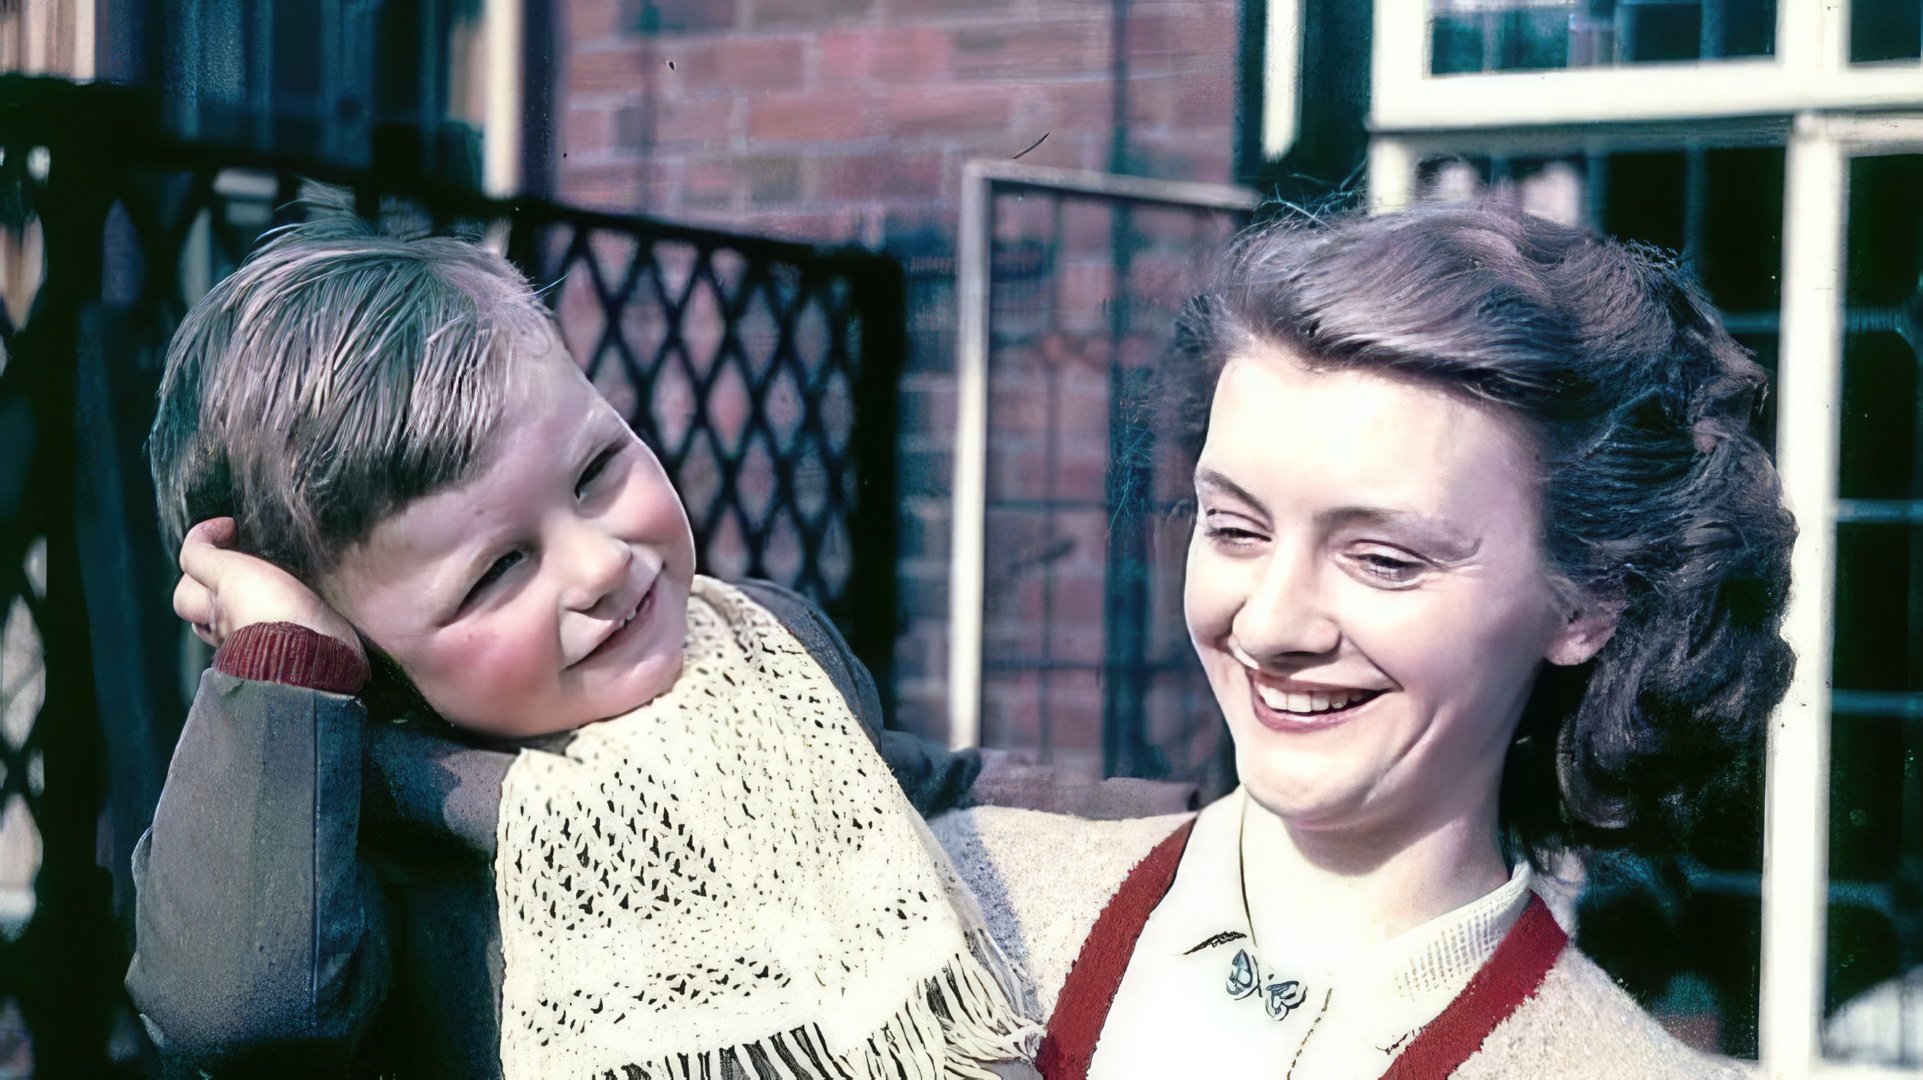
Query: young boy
point(377, 449)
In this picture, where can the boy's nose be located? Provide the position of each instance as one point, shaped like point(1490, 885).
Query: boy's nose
point(598, 567)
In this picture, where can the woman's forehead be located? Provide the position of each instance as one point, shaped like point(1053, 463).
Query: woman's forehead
point(1364, 437)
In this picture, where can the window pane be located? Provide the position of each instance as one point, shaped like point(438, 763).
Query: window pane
point(1885, 30)
point(1470, 36)
point(1874, 989)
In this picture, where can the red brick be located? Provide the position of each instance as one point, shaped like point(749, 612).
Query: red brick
point(922, 652)
point(1206, 99)
point(616, 187)
point(1074, 711)
point(621, 69)
point(734, 66)
point(922, 708)
point(589, 130)
point(962, 114)
point(915, 8)
point(1151, 101)
point(773, 179)
point(909, 55)
point(837, 226)
point(594, 21)
point(879, 176)
point(1151, 49)
point(1086, 288)
point(1024, 49)
point(927, 403)
point(707, 123)
point(710, 183)
point(1066, 106)
point(925, 535)
point(683, 14)
point(808, 12)
point(1011, 710)
point(810, 117)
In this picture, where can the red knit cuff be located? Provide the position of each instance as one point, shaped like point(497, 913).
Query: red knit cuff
point(292, 655)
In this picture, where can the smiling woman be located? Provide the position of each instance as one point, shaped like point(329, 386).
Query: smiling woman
point(1486, 568)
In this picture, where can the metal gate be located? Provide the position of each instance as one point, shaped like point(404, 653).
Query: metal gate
point(762, 372)
point(1071, 478)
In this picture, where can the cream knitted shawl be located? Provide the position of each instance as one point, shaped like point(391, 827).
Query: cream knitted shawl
point(727, 881)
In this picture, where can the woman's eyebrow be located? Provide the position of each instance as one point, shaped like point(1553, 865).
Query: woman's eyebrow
point(1445, 541)
point(1208, 479)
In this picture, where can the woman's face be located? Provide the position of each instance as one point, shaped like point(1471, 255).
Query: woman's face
point(1366, 591)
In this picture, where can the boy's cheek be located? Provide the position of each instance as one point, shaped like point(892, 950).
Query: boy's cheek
point(493, 670)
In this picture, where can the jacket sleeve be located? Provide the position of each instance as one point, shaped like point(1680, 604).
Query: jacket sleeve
point(260, 937)
point(935, 778)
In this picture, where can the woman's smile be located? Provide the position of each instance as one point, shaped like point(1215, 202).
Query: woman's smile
point(1295, 707)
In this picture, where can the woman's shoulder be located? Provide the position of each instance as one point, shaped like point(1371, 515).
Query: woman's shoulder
point(1043, 878)
point(1582, 1024)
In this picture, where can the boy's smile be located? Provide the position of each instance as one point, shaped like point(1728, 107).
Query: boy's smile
point(548, 590)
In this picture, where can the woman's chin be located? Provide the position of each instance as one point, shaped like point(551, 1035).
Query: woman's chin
point(1315, 803)
point(1318, 792)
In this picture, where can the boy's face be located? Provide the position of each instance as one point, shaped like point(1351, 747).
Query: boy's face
point(547, 591)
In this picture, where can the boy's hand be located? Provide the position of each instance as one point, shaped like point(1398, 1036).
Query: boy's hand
point(222, 590)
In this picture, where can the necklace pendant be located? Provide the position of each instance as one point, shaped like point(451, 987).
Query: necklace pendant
point(1242, 977)
point(1283, 997)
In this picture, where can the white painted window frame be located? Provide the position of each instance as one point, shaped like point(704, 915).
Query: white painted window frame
point(1825, 111)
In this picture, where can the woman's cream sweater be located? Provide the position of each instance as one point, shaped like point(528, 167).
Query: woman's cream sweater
point(1043, 879)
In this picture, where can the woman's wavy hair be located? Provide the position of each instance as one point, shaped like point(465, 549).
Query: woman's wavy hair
point(1657, 501)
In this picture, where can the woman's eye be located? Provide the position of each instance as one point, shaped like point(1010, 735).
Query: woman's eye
point(594, 470)
point(1226, 530)
point(1395, 569)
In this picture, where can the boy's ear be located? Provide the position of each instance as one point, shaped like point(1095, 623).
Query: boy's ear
point(1586, 627)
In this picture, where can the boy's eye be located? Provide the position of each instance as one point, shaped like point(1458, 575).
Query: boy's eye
point(594, 470)
point(495, 571)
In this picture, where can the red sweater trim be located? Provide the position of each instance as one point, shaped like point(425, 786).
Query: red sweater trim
point(1089, 991)
point(1512, 976)
point(292, 655)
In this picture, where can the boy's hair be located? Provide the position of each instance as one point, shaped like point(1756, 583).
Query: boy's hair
point(335, 376)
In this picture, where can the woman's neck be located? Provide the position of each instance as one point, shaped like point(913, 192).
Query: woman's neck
point(1313, 893)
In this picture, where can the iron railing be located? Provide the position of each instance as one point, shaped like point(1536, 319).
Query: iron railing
point(762, 372)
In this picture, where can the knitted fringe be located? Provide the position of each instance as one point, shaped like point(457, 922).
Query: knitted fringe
point(967, 1016)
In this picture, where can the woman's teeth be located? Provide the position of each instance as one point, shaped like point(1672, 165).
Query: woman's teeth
point(1313, 701)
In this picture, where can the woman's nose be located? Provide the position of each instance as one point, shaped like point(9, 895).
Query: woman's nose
point(596, 565)
point(1286, 615)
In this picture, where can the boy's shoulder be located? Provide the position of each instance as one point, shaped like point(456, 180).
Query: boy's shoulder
point(784, 603)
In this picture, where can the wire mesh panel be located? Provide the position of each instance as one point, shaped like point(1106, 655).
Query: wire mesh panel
point(1085, 662)
point(742, 373)
point(762, 372)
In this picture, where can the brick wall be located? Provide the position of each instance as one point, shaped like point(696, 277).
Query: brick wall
point(849, 121)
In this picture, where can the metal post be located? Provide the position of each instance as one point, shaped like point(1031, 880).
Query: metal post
point(967, 552)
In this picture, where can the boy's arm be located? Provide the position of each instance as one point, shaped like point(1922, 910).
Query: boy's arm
point(259, 935)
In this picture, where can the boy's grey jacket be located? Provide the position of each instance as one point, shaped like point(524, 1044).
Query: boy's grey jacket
point(316, 894)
